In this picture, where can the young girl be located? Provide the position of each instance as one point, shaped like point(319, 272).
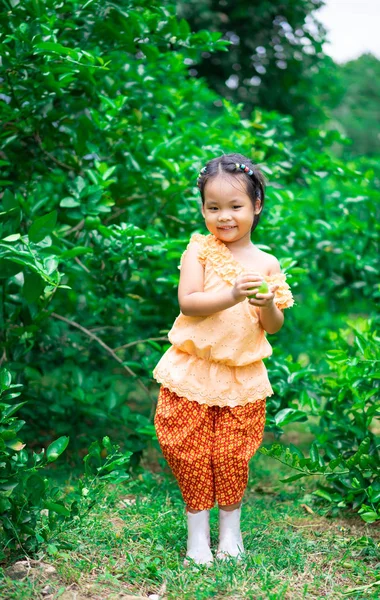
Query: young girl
point(211, 408)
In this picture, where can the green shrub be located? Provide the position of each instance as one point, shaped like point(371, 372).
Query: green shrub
point(23, 491)
point(34, 511)
point(346, 450)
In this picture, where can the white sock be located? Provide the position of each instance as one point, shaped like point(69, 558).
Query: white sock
point(230, 539)
point(198, 537)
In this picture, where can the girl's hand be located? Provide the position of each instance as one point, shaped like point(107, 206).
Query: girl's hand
point(247, 285)
point(265, 300)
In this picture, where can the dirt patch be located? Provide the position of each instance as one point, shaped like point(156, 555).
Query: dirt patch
point(46, 581)
point(352, 527)
point(337, 582)
point(31, 568)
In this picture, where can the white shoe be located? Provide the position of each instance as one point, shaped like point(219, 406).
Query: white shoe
point(198, 538)
point(230, 539)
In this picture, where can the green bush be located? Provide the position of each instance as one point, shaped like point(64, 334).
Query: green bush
point(23, 491)
point(34, 512)
point(346, 450)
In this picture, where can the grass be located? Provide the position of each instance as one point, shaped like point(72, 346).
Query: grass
point(133, 544)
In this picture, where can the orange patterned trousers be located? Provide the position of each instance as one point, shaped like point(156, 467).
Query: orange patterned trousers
point(208, 448)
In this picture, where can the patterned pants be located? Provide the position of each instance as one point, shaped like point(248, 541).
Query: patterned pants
point(208, 448)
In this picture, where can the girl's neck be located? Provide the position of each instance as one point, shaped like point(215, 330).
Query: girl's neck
point(240, 246)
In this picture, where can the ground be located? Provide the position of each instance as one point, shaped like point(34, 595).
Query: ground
point(133, 543)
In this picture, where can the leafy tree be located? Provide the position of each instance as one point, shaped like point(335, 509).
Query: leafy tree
point(90, 154)
point(276, 60)
point(358, 113)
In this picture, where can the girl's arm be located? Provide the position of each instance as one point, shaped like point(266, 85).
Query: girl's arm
point(203, 304)
point(271, 317)
point(193, 301)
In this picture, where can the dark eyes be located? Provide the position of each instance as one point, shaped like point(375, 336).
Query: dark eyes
point(236, 206)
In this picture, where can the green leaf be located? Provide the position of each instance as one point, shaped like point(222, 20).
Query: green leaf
point(15, 444)
point(33, 286)
point(8, 434)
point(359, 344)
point(35, 487)
point(107, 444)
point(8, 268)
point(57, 507)
point(8, 486)
point(77, 251)
point(12, 238)
point(9, 396)
point(4, 505)
point(42, 226)
point(289, 415)
point(184, 28)
point(295, 450)
point(57, 49)
point(9, 201)
point(154, 344)
point(56, 448)
point(50, 265)
point(108, 173)
point(12, 409)
point(52, 549)
point(69, 202)
point(323, 494)
point(5, 378)
point(335, 462)
point(370, 516)
point(314, 454)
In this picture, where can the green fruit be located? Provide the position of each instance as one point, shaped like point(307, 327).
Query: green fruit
point(91, 222)
point(263, 289)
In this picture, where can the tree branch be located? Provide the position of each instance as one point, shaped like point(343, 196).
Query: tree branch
point(81, 264)
point(58, 162)
point(163, 339)
point(107, 348)
point(76, 227)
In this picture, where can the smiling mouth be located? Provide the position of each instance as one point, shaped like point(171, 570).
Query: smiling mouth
point(227, 228)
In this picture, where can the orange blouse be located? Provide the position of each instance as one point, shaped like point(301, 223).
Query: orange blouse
point(217, 359)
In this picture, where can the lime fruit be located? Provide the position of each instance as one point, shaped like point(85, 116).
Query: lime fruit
point(91, 222)
point(263, 289)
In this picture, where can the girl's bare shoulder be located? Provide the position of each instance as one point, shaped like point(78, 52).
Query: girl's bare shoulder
point(270, 262)
point(263, 262)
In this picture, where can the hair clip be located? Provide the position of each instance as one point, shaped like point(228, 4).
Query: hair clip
point(244, 168)
point(202, 171)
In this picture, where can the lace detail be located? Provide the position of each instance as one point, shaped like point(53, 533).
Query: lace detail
point(221, 259)
point(283, 297)
point(200, 239)
point(254, 394)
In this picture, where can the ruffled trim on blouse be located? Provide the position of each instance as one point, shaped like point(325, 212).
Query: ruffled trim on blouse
point(258, 393)
point(200, 239)
point(228, 269)
point(283, 297)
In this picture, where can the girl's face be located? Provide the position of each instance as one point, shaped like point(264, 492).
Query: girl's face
point(228, 210)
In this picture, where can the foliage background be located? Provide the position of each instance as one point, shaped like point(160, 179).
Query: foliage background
point(105, 130)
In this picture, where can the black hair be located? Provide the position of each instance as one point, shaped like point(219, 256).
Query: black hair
point(254, 183)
